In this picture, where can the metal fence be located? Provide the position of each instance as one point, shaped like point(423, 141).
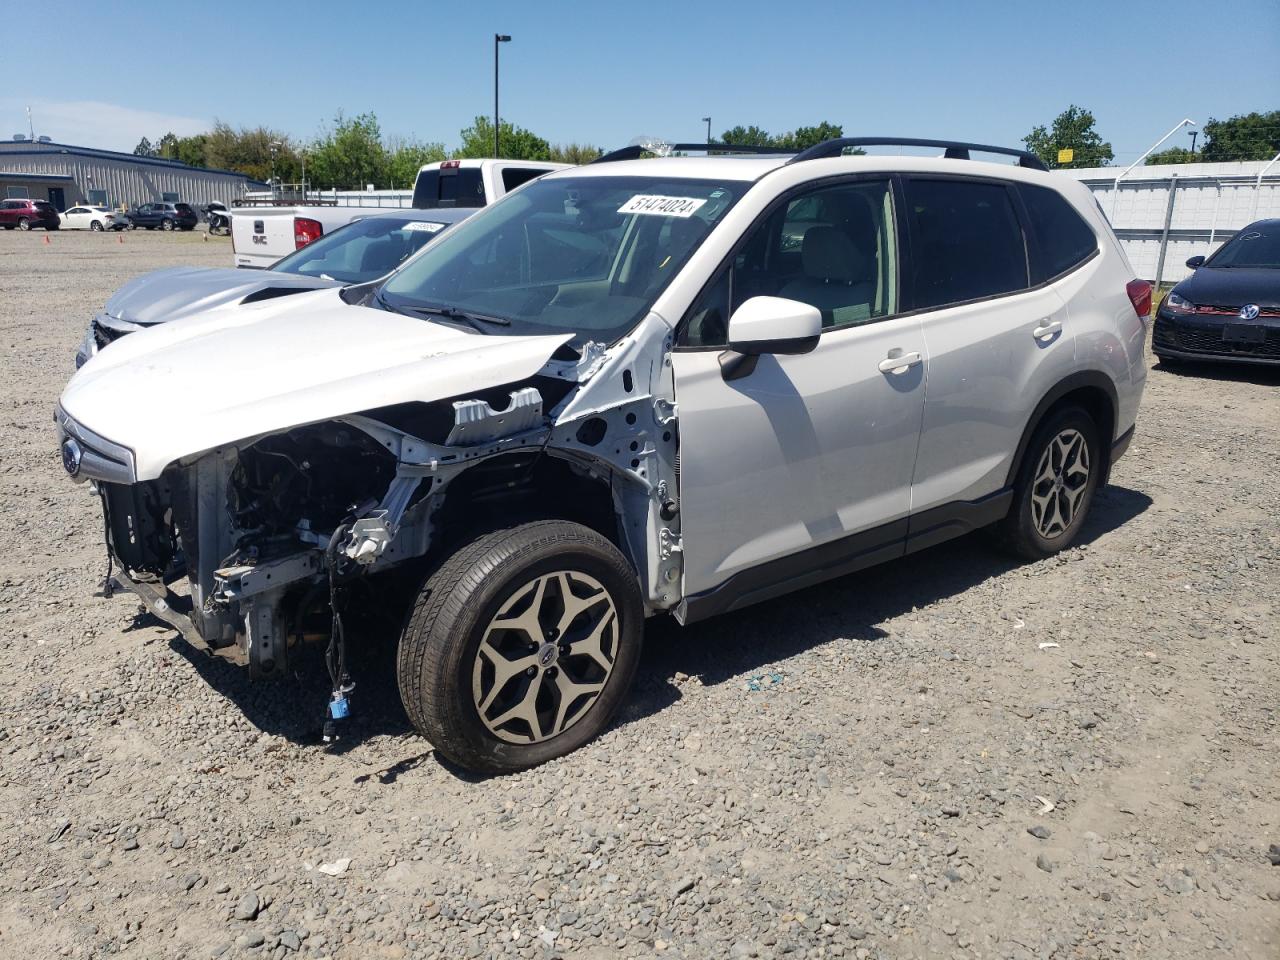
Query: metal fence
point(290, 194)
point(1165, 214)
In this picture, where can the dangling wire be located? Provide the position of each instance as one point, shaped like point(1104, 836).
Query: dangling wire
point(107, 590)
point(335, 656)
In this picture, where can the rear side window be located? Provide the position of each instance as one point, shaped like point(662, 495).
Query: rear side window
point(457, 187)
point(1063, 240)
point(966, 242)
point(513, 177)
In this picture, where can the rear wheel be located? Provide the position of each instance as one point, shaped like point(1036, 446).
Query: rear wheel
point(96, 226)
point(166, 225)
point(24, 224)
point(521, 646)
point(1055, 485)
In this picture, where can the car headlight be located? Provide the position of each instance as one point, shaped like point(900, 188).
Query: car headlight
point(1177, 304)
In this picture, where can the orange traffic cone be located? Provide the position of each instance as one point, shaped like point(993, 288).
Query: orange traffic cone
point(46, 240)
point(119, 238)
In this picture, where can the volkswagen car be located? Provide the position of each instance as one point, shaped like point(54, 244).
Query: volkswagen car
point(1229, 309)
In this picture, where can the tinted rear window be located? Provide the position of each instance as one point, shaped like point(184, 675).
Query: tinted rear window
point(1062, 239)
point(512, 177)
point(183, 208)
point(966, 241)
point(458, 187)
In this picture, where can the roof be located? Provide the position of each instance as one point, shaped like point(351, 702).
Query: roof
point(35, 148)
point(752, 168)
point(16, 175)
point(468, 162)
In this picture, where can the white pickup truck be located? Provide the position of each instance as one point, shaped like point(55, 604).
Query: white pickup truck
point(262, 235)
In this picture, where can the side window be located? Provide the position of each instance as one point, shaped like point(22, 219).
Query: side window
point(1062, 239)
point(966, 241)
point(833, 248)
point(513, 177)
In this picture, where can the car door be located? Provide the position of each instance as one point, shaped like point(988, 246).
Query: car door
point(995, 343)
point(74, 218)
point(6, 213)
point(803, 466)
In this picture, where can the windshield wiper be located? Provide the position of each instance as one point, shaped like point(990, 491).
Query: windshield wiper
point(474, 320)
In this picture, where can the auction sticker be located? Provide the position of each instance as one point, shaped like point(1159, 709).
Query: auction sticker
point(654, 205)
point(423, 226)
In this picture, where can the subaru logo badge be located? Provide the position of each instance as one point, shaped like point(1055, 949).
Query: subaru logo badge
point(1249, 311)
point(71, 455)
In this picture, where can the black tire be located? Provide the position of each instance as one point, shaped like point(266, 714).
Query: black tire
point(440, 642)
point(1020, 531)
point(166, 225)
point(96, 226)
point(24, 224)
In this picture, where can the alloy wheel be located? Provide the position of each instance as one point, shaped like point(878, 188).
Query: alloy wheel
point(1061, 481)
point(545, 657)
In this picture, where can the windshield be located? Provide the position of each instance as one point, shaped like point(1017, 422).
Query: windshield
point(1255, 246)
point(580, 255)
point(363, 250)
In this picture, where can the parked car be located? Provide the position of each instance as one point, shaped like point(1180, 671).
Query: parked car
point(474, 182)
point(357, 253)
point(1229, 309)
point(96, 219)
point(621, 391)
point(163, 216)
point(28, 214)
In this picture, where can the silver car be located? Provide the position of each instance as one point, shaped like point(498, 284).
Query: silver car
point(361, 251)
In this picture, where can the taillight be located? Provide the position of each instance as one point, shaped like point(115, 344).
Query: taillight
point(1139, 292)
point(450, 164)
point(306, 230)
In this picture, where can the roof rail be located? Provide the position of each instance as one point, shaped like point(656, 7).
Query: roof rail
point(635, 151)
point(955, 150)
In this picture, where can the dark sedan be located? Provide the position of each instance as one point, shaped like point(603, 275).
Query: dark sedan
point(1229, 309)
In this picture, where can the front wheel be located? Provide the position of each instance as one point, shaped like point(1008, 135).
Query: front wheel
point(24, 224)
point(521, 646)
point(1055, 485)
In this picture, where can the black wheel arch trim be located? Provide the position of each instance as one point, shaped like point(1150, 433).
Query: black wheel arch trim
point(1091, 379)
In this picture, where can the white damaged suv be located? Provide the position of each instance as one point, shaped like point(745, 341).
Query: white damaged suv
point(671, 385)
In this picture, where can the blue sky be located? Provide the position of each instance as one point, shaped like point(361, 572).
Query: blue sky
point(604, 72)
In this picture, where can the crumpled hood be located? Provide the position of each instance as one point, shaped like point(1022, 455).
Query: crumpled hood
point(176, 292)
point(1232, 286)
point(224, 376)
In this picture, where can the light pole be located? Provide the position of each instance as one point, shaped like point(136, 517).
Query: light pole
point(707, 121)
point(1193, 134)
point(497, 39)
point(275, 146)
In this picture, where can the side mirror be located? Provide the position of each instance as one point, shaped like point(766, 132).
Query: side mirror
point(774, 325)
point(768, 325)
point(1195, 263)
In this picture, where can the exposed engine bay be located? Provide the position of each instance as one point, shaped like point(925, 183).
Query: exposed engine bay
point(267, 532)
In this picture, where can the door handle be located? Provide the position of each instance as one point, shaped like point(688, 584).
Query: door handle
point(1047, 329)
point(898, 365)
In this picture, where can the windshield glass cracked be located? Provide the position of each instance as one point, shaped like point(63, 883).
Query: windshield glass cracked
point(580, 255)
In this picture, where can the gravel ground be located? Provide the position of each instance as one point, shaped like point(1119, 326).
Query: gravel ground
point(951, 756)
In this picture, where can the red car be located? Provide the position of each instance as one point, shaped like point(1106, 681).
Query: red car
point(25, 214)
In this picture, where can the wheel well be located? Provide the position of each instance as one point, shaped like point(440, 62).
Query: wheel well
point(522, 487)
point(1092, 391)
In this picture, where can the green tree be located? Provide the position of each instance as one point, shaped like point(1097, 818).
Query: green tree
point(1071, 130)
point(144, 148)
point(405, 158)
point(804, 137)
point(249, 151)
point(167, 146)
point(516, 143)
point(350, 155)
point(576, 153)
point(191, 150)
point(1250, 136)
point(1173, 155)
point(751, 136)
